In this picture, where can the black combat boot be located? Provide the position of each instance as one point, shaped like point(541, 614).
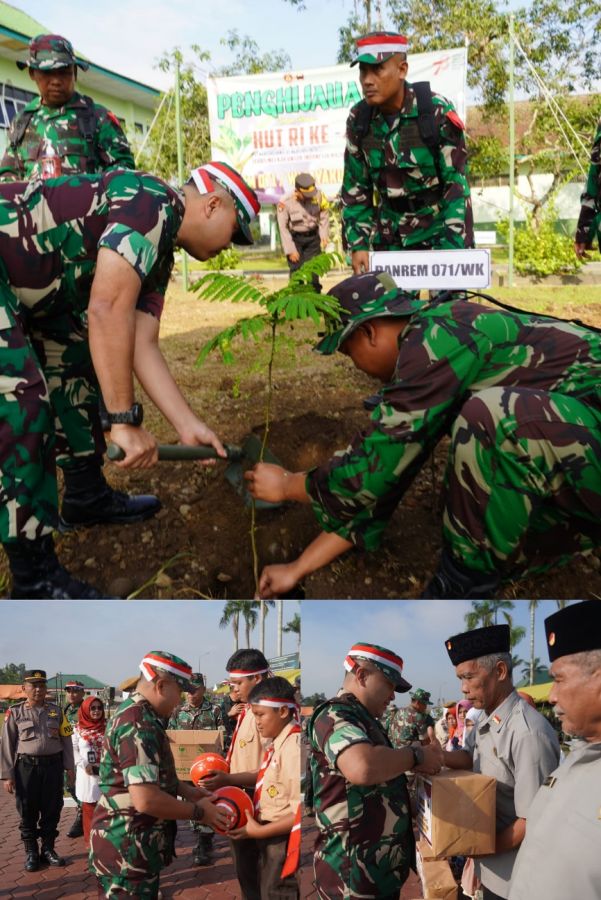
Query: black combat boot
point(89, 500)
point(49, 855)
point(32, 856)
point(454, 581)
point(76, 829)
point(38, 575)
point(202, 851)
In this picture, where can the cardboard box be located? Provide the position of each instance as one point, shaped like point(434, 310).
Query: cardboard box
point(435, 875)
point(187, 745)
point(456, 813)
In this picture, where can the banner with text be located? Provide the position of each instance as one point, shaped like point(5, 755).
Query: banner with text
point(434, 270)
point(272, 126)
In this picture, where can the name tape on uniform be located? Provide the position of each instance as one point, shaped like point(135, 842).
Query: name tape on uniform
point(434, 269)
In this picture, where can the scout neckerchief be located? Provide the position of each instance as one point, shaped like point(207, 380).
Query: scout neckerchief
point(293, 848)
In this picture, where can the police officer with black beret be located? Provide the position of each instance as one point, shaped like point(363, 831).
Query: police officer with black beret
point(35, 749)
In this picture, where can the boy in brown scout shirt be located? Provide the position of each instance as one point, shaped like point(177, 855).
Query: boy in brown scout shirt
point(276, 826)
point(246, 669)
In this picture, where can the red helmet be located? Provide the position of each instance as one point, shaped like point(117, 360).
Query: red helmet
point(207, 764)
point(237, 803)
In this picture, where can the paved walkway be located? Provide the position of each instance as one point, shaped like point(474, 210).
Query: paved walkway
point(180, 880)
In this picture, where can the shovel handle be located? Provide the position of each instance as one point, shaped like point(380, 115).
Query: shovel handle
point(180, 451)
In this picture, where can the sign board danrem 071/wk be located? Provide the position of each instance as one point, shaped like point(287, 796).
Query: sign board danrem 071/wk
point(434, 270)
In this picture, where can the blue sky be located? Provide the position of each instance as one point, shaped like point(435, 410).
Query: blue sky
point(414, 629)
point(107, 640)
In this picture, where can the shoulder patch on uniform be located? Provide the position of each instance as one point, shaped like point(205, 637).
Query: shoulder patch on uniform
point(281, 207)
point(111, 115)
point(7, 714)
point(454, 118)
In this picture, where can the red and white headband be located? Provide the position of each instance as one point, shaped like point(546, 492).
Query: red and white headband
point(161, 662)
point(383, 43)
point(239, 673)
point(368, 651)
point(204, 175)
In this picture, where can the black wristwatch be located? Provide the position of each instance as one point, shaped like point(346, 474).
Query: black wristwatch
point(132, 416)
point(418, 756)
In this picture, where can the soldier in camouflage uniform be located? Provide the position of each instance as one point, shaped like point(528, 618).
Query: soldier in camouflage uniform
point(64, 133)
point(75, 693)
point(402, 189)
point(97, 248)
point(520, 395)
point(198, 713)
point(412, 722)
point(132, 829)
point(365, 845)
point(589, 221)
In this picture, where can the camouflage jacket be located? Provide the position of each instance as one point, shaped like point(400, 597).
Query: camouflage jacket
point(60, 128)
point(408, 725)
point(589, 222)
point(365, 845)
point(447, 352)
point(72, 713)
point(392, 162)
point(51, 231)
point(207, 716)
point(136, 751)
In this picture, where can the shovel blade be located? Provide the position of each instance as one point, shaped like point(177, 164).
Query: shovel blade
point(251, 454)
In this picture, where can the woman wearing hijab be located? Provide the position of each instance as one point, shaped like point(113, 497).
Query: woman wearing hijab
point(88, 737)
point(451, 721)
point(462, 709)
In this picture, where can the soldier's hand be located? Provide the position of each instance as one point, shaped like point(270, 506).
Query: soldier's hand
point(433, 756)
point(216, 780)
point(195, 433)
point(580, 250)
point(294, 257)
point(9, 786)
point(360, 261)
point(277, 580)
point(139, 445)
point(266, 481)
point(215, 816)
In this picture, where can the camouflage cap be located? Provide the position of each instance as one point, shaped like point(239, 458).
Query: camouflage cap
point(161, 660)
point(372, 295)
point(421, 696)
point(378, 46)
point(575, 629)
point(32, 675)
point(196, 681)
point(51, 51)
point(305, 184)
point(245, 199)
point(478, 642)
point(388, 662)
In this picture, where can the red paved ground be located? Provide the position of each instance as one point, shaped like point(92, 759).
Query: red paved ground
point(180, 880)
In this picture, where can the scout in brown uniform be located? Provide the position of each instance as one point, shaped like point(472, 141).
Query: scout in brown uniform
point(35, 749)
point(304, 222)
point(246, 669)
point(276, 826)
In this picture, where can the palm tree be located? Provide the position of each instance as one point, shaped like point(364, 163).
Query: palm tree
point(533, 604)
point(533, 669)
point(250, 616)
point(294, 627)
point(485, 613)
point(231, 616)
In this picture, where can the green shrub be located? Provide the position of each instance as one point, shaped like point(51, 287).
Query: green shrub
point(227, 259)
point(541, 248)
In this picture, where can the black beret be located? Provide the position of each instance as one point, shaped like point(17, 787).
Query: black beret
point(574, 629)
point(479, 642)
point(34, 675)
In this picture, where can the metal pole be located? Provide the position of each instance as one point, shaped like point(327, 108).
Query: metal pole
point(262, 626)
point(511, 148)
point(280, 604)
point(180, 154)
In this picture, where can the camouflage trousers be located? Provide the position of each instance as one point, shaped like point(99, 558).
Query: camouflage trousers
point(523, 481)
point(48, 411)
point(129, 863)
